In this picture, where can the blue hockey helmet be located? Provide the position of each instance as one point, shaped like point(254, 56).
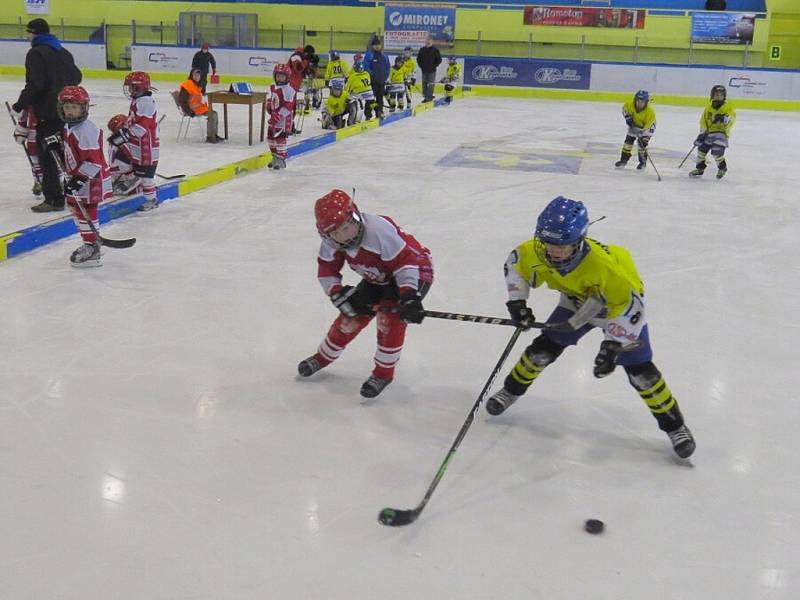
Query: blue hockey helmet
point(334, 55)
point(563, 222)
point(642, 96)
point(452, 60)
point(337, 87)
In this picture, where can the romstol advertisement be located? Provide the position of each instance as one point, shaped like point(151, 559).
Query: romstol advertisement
point(722, 28)
point(565, 16)
point(524, 72)
point(410, 24)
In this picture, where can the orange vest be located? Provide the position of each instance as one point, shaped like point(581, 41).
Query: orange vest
point(195, 97)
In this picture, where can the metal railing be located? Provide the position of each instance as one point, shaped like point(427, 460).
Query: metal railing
point(644, 49)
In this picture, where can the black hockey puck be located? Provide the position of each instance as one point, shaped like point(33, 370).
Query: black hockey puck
point(594, 526)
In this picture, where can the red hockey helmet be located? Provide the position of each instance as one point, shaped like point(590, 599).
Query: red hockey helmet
point(73, 104)
point(116, 123)
point(136, 83)
point(338, 219)
point(284, 70)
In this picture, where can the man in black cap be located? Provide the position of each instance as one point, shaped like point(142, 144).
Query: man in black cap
point(49, 67)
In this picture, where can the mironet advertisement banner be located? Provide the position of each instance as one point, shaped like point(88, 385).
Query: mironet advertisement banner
point(525, 72)
point(410, 24)
point(722, 28)
point(566, 16)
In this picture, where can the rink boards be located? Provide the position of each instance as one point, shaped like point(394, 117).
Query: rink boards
point(18, 242)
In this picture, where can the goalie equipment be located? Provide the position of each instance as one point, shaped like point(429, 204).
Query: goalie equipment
point(73, 104)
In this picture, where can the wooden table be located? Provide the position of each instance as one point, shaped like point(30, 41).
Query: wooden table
point(253, 99)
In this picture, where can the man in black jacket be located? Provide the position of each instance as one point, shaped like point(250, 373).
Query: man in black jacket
point(49, 67)
point(428, 58)
point(204, 60)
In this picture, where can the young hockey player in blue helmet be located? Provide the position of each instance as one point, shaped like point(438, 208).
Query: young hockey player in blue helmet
point(599, 287)
point(641, 121)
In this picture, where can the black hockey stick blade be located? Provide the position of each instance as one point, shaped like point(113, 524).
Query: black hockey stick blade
point(117, 243)
point(395, 517)
point(169, 177)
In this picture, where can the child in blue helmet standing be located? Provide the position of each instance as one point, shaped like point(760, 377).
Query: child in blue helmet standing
point(599, 287)
point(641, 121)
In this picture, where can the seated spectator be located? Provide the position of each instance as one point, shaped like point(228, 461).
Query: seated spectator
point(191, 100)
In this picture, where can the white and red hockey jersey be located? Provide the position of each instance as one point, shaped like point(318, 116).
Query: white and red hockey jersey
point(386, 253)
point(280, 106)
point(142, 128)
point(83, 156)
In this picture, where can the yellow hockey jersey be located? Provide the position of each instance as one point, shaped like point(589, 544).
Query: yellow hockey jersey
point(453, 73)
point(605, 272)
point(397, 75)
point(337, 106)
point(337, 68)
point(718, 120)
point(645, 120)
point(409, 67)
point(358, 82)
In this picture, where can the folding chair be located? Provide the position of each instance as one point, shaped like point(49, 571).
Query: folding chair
point(186, 119)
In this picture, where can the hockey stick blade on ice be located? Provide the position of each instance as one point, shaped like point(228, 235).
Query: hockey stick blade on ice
point(396, 517)
point(170, 177)
point(105, 241)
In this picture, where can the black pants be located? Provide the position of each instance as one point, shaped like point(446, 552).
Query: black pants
point(378, 89)
point(51, 176)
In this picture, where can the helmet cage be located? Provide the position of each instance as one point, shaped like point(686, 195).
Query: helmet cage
point(567, 262)
point(348, 233)
point(73, 104)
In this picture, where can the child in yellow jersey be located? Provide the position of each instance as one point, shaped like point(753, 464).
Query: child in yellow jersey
point(716, 123)
point(337, 108)
point(599, 287)
point(359, 86)
point(641, 121)
point(451, 79)
point(409, 72)
point(396, 89)
point(337, 69)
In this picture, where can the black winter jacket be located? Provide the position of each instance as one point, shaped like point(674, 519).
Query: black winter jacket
point(202, 60)
point(428, 58)
point(48, 69)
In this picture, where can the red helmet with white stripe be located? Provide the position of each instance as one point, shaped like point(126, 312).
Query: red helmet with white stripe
point(338, 219)
point(73, 104)
point(136, 83)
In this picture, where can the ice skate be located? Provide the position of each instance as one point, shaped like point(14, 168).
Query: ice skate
point(148, 204)
point(722, 168)
point(623, 160)
point(374, 386)
point(88, 255)
point(682, 441)
point(309, 366)
point(125, 184)
point(278, 163)
point(642, 165)
point(500, 401)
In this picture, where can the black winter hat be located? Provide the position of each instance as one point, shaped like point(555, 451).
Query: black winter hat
point(38, 26)
point(376, 41)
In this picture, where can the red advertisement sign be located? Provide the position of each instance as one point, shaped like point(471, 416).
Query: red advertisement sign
point(565, 16)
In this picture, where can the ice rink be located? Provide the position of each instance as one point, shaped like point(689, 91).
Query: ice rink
point(156, 442)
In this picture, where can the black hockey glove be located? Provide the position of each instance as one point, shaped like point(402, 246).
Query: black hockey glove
point(119, 138)
point(606, 360)
point(410, 307)
point(700, 139)
point(141, 171)
point(16, 107)
point(719, 118)
point(73, 185)
point(350, 303)
point(52, 143)
point(629, 120)
point(520, 313)
point(413, 81)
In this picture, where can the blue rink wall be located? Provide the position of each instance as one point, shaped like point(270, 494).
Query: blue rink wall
point(18, 242)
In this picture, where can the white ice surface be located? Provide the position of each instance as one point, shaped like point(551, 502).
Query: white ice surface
point(189, 156)
point(155, 441)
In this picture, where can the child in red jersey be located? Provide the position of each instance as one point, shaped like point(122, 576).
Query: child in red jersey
point(89, 182)
point(396, 272)
point(280, 106)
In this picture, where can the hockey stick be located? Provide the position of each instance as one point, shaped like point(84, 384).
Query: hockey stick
point(687, 156)
point(653, 164)
point(105, 241)
point(170, 177)
point(476, 319)
point(395, 517)
point(24, 146)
